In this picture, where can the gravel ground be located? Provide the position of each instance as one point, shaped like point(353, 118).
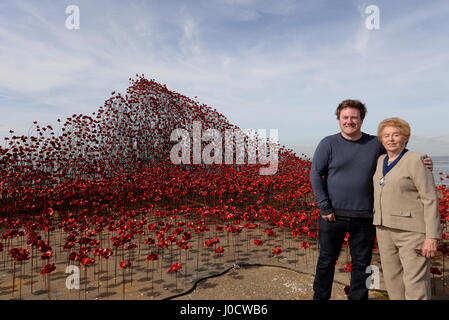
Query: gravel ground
point(262, 283)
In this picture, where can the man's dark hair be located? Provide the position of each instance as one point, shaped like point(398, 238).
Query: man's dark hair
point(356, 104)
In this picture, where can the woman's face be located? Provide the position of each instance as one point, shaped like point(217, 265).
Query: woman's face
point(393, 140)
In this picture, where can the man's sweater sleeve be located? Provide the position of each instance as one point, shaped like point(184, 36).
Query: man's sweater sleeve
point(423, 180)
point(319, 169)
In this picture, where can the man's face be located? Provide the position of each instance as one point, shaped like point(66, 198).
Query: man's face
point(350, 122)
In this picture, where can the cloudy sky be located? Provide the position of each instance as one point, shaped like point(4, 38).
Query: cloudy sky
point(263, 64)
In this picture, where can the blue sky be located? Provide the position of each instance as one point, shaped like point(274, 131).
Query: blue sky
point(263, 64)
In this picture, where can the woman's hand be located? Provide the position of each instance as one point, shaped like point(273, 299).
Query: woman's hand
point(429, 248)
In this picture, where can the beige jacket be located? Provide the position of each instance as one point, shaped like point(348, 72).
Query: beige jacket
point(408, 200)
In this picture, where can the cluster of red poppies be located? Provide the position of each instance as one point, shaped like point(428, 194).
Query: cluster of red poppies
point(19, 254)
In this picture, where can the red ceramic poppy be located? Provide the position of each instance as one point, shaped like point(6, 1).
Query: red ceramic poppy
point(210, 243)
point(152, 257)
point(68, 245)
point(125, 264)
point(348, 267)
point(106, 253)
point(187, 235)
point(86, 261)
point(270, 232)
point(72, 256)
point(149, 241)
point(175, 267)
point(346, 290)
point(219, 250)
point(48, 268)
point(435, 270)
point(47, 254)
point(131, 246)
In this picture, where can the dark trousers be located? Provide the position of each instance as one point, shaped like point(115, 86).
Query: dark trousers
point(362, 234)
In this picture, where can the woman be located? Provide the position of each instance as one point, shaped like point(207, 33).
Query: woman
point(406, 214)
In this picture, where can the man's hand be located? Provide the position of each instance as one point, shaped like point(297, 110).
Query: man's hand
point(329, 217)
point(429, 248)
point(428, 162)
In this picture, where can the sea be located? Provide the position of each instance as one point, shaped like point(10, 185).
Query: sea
point(440, 165)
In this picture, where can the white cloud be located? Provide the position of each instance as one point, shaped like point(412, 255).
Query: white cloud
point(29, 65)
point(189, 41)
point(239, 2)
point(361, 40)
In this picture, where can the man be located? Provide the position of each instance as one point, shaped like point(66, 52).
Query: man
point(343, 166)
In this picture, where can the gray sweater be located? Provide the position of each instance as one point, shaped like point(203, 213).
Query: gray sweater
point(342, 175)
